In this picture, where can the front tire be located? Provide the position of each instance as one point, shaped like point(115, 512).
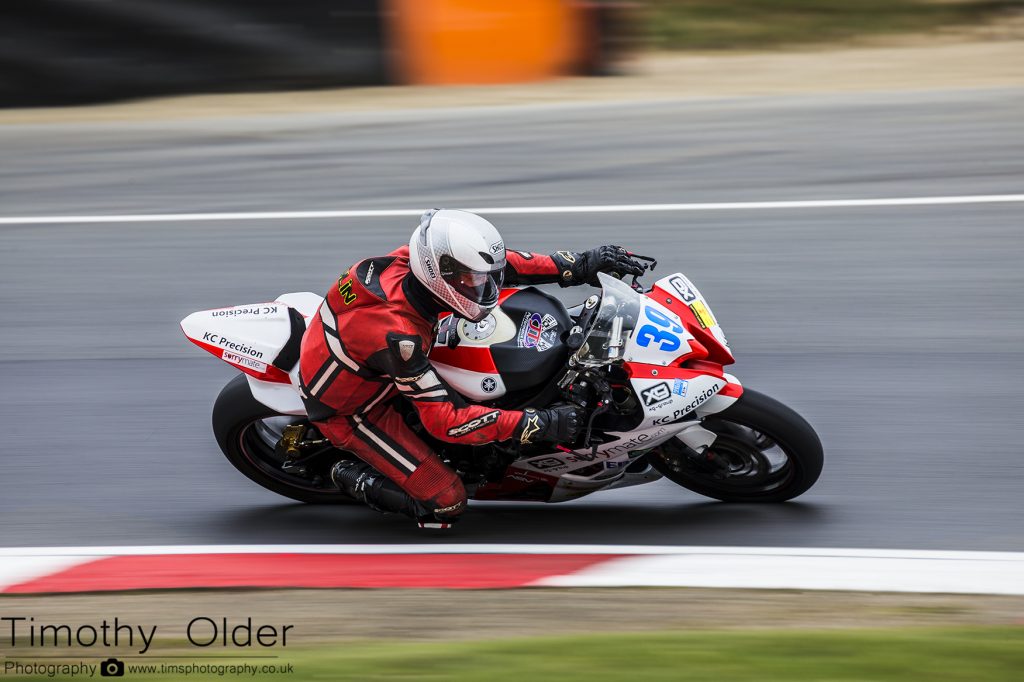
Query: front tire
point(765, 452)
point(248, 431)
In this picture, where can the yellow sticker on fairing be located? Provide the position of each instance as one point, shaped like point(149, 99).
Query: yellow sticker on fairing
point(702, 314)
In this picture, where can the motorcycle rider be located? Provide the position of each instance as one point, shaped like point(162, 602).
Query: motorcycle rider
point(368, 346)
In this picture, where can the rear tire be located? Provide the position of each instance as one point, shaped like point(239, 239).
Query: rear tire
point(740, 465)
point(245, 439)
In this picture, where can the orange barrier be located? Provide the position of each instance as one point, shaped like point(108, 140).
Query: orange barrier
point(483, 41)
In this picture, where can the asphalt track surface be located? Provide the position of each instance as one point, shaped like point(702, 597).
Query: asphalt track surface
point(896, 331)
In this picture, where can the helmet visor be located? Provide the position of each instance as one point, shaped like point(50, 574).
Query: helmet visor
point(480, 287)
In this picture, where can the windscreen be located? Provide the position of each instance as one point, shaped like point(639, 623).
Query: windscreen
point(615, 319)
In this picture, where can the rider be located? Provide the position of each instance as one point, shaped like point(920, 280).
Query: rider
point(369, 343)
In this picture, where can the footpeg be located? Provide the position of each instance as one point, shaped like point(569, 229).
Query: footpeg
point(292, 444)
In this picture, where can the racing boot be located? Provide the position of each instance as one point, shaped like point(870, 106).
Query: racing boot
point(364, 483)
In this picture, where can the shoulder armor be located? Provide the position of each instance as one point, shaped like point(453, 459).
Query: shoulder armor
point(368, 273)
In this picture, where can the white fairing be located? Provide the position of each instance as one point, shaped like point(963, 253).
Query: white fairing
point(250, 338)
point(718, 402)
point(246, 336)
point(306, 302)
point(664, 345)
point(683, 289)
point(474, 385)
point(668, 400)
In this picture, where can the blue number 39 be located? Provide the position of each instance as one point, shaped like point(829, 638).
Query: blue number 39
point(666, 339)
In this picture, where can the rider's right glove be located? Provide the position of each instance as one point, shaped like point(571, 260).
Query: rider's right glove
point(558, 424)
point(582, 268)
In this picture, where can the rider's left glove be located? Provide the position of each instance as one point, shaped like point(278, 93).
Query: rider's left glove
point(582, 268)
point(558, 424)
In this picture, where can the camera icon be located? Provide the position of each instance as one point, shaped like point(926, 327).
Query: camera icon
point(111, 668)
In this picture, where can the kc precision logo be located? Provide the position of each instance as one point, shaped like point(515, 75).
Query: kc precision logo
point(216, 340)
point(702, 398)
point(698, 400)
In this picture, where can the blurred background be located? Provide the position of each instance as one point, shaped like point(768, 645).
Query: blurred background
point(79, 51)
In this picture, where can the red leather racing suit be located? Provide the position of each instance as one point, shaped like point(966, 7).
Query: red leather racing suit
point(368, 345)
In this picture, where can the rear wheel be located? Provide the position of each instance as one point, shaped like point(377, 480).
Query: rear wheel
point(764, 452)
point(248, 433)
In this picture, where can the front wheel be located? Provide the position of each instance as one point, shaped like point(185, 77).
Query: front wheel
point(248, 433)
point(764, 452)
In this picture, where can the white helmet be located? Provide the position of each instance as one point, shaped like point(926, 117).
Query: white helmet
point(460, 258)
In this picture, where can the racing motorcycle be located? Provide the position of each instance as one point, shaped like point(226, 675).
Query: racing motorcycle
point(648, 366)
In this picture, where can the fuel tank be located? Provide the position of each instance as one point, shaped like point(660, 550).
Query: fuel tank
point(511, 353)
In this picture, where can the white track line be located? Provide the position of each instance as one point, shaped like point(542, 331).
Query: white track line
point(803, 571)
point(463, 548)
point(520, 210)
point(806, 568)
point(450, 548)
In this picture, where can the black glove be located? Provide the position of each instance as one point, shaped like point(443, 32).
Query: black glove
point(558, 424)
point(582, 268)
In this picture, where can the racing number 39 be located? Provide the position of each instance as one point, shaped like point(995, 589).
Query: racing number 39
point(664, 331)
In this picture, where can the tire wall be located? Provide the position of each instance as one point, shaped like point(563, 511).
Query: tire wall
point(55, 52)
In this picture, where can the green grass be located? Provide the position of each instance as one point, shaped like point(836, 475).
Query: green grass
point(753, 24)
point(969, 654)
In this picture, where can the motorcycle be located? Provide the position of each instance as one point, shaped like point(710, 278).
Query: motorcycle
point(648, 366)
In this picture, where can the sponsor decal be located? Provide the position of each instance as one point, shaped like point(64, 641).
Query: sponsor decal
point(369, 274)
point(448, 510)
point(489, 385)
point(685, 292)
point(547, 463)
point(615, 464)
point(410, 380)
point(584, 457)
point(430, 267)
point(630, 444)
point(245, 349)
point(536, 331)
point(530, 330)
point(474, 425)
point(345, 289)
point(243, 361)
point(702, 314)
point(702, 398)
point(567, 256)
point(697, 401)
point(530, 429)
point(241, 312)
point(656, 395)
point(680, 386)
point(526, 255)
point(497, 247)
